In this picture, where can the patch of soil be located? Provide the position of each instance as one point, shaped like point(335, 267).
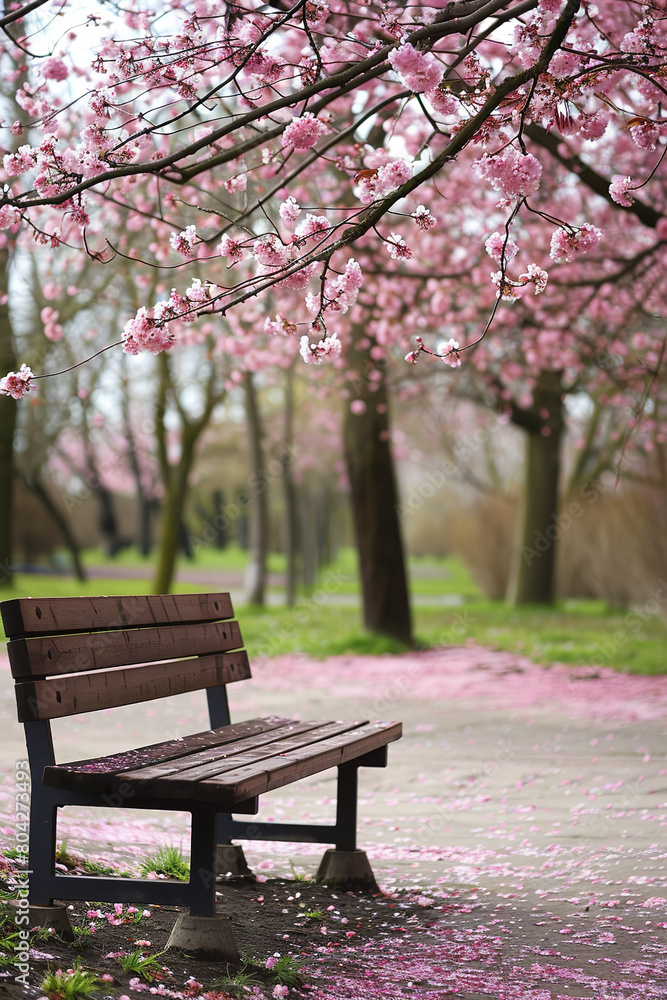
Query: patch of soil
point(311, 923)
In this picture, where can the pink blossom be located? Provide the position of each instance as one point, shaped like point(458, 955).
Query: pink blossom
point(280, 991)
point(185, 241)
point(412, 357)
point(418, 71)
point(357, 406)
point(423, 218)
point(54, 68)
point(312, 225)
point(443, 101)
point(513, 174)
point(8, 217)
point(289, 211)
point(16, 128)
point(16, 384)
point(619, 190)
point(342, 291)
point(299, 279)
point(231, 249)
point(506, 287)
point(100, 103)
point(270, 253)
point(375, 183)
point(449, 352)
point(303, 132)
point(279, 326)
point(198, 292)
point(79, 215)
point(645, 133)
point(565, 244)
point(17, 163)
point(537, 276)
point(593, 126)
point(499, 246)
point(238, 183)
point(272, 961)
point(313, 353)
point(145, 333)
point(397, 247)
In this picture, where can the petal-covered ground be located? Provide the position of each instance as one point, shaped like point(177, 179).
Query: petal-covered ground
point(525, 809)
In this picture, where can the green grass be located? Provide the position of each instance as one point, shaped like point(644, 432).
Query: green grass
point(575, 632)
point(167, 860)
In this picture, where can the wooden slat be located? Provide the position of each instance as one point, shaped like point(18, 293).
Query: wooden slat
point(87, 775)
point(211, 763)
point(58, 697)
point(69, 654)
point(252, 780)
point(32, 616)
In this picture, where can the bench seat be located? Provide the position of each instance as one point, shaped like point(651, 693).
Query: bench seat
point(229, 766)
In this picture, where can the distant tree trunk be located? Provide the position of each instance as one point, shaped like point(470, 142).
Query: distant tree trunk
point(255, 582)
point(7, 427)
point(374, 495)
point(532, 574)
point(37, 486)
point(175, 494)
point(219, 519)
point(175, 477)
point(107, 520)
point(145, 504)
point(290, 496)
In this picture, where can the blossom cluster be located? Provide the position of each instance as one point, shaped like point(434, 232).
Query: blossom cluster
point(513, 174)
point(16, 384)
point(567, 243)
point(314, 353)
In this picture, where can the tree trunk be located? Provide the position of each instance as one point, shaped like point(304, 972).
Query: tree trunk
point(175, 478)
point(7, 428)
point(41, 492)
point(175, 495)
point(374, 496)
point(532, 575)
point(255, 580)
point(290, 496)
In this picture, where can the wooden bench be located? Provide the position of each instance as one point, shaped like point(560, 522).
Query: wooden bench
point(74, 655)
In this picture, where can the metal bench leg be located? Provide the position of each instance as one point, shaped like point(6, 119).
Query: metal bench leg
point(345, 866)
point(346, 807)
point(202, 864)
point(229, 858)
point(201, 932)
point(42, 848)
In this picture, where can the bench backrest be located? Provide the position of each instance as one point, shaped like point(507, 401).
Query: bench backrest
point(65, 652)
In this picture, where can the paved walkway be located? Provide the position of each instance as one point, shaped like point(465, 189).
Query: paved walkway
point(534, 798)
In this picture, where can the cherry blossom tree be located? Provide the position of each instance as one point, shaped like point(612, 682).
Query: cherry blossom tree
point(210, 122)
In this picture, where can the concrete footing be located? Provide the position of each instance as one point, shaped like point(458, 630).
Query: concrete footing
point(347, 870)
point(230, 861)
point(205, 937)
point(56, 917)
